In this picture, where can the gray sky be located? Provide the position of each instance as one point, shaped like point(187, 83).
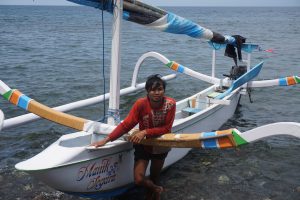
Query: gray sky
point(171, 2)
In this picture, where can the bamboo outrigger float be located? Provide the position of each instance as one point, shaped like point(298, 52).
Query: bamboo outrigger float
point(85, 171)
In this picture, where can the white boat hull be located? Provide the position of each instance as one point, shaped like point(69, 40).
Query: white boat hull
point(68, 166)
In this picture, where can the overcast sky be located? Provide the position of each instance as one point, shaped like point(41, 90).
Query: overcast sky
point(171, 2)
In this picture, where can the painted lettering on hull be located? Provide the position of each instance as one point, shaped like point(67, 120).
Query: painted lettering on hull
point(98, 173)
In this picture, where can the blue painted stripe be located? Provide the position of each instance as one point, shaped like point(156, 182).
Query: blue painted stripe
point(282, 82)
point(24, 101)
point(209, 134)
point(210, 143)
point(180, 69)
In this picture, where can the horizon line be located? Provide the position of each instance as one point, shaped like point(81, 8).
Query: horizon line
point(271, 6)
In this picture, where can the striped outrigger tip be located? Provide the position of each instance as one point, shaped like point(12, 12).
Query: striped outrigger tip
point(175, 66)
point(17, 98)
point(219, 143)
point(291, 80)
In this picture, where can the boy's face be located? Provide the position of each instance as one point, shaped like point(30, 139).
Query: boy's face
point(156, 93)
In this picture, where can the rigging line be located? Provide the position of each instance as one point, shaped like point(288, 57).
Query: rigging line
point(110, 112)
point(103, 66)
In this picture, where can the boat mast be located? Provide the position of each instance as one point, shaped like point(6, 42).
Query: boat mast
point(114, 100)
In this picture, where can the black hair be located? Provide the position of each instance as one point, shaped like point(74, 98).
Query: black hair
point(154, 81)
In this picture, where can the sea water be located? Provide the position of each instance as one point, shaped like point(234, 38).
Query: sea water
point(54, 55)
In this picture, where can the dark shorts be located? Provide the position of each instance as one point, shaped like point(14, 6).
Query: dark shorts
point(141, 154)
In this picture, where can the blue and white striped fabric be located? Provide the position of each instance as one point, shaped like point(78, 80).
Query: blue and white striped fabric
point(157, 18)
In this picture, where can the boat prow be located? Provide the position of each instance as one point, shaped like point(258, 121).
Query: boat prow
point(68, 150)
point(68, 166)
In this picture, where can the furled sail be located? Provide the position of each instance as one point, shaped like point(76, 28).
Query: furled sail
point(159, 19)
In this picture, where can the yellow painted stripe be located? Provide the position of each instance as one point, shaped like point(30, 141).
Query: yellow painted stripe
point(172, 140)
point(56, 116)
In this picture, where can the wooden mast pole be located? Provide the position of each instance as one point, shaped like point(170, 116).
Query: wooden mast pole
point(114, 100)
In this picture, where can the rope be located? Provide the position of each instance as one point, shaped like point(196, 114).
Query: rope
point(103, 65)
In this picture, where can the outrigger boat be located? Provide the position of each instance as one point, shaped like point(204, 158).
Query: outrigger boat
point(84, 171)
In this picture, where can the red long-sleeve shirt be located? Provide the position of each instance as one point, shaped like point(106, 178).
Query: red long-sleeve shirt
point(156, 122)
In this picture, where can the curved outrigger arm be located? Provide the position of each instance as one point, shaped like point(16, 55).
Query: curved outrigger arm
point(287, 81)
point(174, 66)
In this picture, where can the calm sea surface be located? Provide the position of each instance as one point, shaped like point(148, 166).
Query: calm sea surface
point(54, 55)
